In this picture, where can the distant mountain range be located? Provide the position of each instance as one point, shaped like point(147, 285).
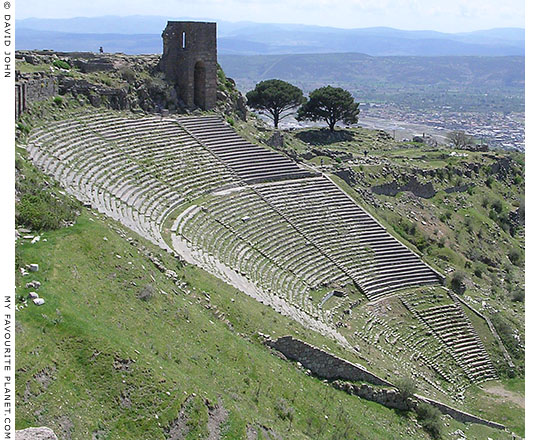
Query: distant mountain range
point(142, 34)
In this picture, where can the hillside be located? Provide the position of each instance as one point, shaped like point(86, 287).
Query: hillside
point(480, 84)
point(183, 203)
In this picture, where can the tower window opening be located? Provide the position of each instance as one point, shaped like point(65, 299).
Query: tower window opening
point(183, 40)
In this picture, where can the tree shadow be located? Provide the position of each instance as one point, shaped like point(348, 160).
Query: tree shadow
point(324, 136)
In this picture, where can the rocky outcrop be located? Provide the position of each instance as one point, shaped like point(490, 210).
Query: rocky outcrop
point(424, 190)
point(115, 98)
point(502, 167)
point(459, 188)
point(348, 176)
point(229, 100)
point(41, 433)
point(336, 155)
point(276, 140)
point(325, 136)
point(98, 64)
point(116, 81)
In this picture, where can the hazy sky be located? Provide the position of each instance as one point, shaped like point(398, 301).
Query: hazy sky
point(441, 15)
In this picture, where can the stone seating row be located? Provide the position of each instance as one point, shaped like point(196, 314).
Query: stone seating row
point(111, 166)
point(314, 205)
point(250, 162)
point(280, 242)
point(385, 266)
point(450, 324)
point(232, 252)
point(410, 347)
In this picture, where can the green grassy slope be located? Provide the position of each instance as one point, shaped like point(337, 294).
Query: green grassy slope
point(97, 361)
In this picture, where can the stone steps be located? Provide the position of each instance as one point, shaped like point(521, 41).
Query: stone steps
point(451, 325)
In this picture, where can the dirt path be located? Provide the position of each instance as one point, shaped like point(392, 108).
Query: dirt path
point(498, 390)
point(217, 415)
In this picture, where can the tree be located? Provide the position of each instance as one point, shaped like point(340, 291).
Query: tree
point(331, 104)
point(275, 97)
point(459, 139)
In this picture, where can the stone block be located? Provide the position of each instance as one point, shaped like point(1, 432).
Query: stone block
point(41, 433)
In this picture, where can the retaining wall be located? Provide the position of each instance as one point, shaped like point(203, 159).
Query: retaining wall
point(324, 364)
point(387, 397)
point(331, 367)
point(459, 415)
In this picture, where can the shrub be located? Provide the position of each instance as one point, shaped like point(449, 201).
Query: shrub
point(107, 81)
point(497, 206)
point(430, 419)
point(283, 410)
point(420, 242)
point(127, 74)
point(25, 129)
point(58, 100)
point(42, 211)
point(40, 206)
point(478, 271)
point(518, 295)
point(457, 284)
point(230, 121)
point(146, 293)
point(61, 64)
point(406, 387)
point(447, 215)
point(515, 257)
point(475, 254)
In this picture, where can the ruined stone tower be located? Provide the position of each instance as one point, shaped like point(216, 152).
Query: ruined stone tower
point(190, 61)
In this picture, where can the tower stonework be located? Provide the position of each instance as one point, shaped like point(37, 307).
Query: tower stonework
point(190, 61)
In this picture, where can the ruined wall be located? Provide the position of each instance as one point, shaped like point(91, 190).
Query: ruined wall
point(323, 364)
point(31, 88)
point(189, 60)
